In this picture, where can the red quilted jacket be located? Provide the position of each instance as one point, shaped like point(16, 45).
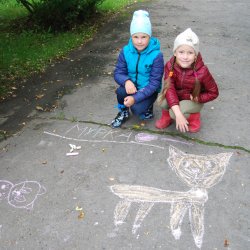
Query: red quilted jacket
point(183, 81)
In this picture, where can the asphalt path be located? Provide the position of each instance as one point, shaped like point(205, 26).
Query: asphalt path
point(69, 181)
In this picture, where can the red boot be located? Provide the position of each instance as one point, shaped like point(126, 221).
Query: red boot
point(164, 121)
point(194, 122)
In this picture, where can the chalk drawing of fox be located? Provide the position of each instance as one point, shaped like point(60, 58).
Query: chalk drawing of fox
point(199, 172)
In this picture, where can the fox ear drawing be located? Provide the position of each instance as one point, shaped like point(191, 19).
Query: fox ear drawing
point(175, 151)
point(224, 158)
point(175, 156)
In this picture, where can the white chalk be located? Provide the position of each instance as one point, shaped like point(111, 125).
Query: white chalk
point(72, 146)
point(73, 153)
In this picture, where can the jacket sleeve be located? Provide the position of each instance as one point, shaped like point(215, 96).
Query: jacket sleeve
point(121, 70)
point(155, 80)
point(209, 89)
point(171, 95)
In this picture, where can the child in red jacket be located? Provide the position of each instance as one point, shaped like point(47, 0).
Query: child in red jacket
point(188, 84)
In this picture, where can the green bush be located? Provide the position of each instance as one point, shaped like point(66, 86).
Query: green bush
point(61, 14)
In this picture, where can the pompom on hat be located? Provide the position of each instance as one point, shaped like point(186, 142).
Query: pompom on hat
point(187, 37)
point(140, 23)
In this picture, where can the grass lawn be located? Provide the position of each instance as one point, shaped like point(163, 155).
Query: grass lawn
point(24, 51)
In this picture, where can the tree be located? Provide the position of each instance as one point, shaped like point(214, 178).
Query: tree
point(27, 5)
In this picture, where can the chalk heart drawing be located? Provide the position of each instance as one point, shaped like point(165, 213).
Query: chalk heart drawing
point(199, 172)
point(21, 195)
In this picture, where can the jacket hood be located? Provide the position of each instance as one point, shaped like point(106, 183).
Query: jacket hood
point(153, 44)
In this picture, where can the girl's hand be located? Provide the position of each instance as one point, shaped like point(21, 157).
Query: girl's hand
point(181, 121)
point(129, 101)
point(194, 99)
point(130, 87)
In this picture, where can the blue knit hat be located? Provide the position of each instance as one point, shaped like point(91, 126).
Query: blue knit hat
point(140, 23)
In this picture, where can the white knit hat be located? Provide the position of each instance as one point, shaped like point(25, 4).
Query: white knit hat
point(187, 37)
point(141, 23)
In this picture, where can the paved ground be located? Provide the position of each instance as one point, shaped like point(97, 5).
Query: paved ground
point(133, 188)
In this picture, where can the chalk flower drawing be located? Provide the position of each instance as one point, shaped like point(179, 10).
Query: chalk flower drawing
point(21, 195)
point(198, 171)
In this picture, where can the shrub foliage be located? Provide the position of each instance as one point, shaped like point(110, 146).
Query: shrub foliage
point(60, 14)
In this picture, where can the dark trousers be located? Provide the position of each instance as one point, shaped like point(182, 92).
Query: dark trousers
point(140, 107)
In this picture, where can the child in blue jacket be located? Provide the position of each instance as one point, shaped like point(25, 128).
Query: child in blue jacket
point(138, 72)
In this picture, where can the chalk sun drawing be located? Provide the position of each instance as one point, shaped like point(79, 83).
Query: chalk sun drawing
point(21, 195)
point(198, 171)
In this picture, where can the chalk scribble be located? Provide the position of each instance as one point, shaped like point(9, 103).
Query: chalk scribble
point(77, 133)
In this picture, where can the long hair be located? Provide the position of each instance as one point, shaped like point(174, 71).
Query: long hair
point(166, 83)
point(197, 86)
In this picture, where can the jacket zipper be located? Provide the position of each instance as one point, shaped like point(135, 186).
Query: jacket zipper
point(137, 64)
point(182, 79)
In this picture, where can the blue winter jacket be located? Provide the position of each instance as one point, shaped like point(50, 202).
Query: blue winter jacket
point(144, 69)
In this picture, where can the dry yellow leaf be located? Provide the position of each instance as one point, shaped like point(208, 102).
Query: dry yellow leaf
point(136, 126)
point(81, 215)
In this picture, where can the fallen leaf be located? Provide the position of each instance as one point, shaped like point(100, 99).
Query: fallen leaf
point(39, 108)
point(81, 215)
point(136, 126)
point(226, 243)
point(39, 96)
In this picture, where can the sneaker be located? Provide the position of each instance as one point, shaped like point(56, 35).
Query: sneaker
point(147, 116)
point(121, 117)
